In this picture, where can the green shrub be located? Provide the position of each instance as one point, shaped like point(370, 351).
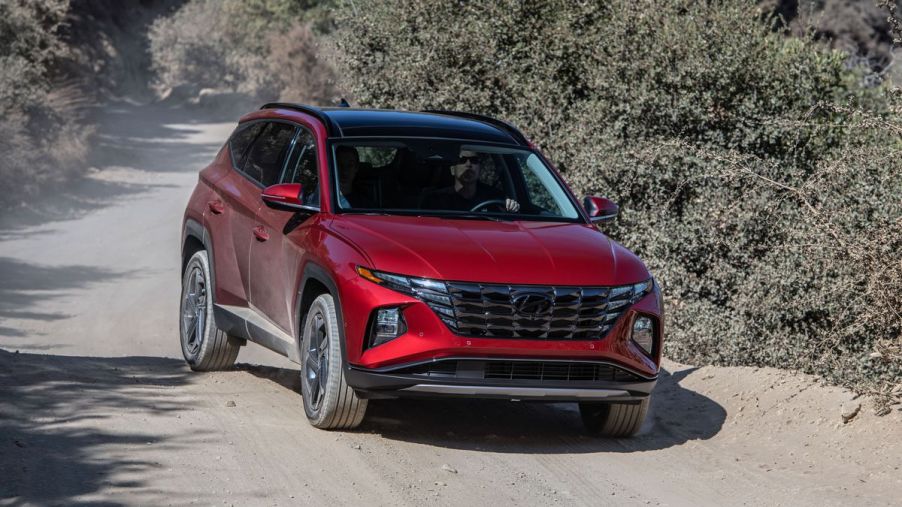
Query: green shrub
point(758, 178)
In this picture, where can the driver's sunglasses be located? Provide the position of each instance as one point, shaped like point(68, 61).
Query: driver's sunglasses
point(473, 159)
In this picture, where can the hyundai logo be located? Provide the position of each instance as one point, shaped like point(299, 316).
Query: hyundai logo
point(532, 304)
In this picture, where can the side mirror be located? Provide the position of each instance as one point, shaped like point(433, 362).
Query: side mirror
point(600, 209)
point(286, 197)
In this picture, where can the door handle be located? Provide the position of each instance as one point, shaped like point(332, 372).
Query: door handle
point(216, 207)
point(260, 233)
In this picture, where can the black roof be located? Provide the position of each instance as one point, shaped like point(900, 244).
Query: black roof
point(348, 122)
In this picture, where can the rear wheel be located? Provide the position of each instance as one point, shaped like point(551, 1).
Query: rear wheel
point(614, 419)
point(328, 400)
point(205, 346)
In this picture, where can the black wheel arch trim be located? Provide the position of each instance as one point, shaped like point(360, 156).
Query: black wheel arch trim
point(313, 271)
point(194, 229)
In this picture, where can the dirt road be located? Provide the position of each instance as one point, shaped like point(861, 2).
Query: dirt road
point(96, 405)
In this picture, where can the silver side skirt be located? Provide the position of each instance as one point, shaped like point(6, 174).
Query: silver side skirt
point(247, 323)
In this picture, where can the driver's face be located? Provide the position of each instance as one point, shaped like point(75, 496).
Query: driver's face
point(468, 168)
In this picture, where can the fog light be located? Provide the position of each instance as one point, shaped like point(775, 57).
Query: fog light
point(388, 325)
point(644, 333)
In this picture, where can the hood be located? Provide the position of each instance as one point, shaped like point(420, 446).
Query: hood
point(539, 253)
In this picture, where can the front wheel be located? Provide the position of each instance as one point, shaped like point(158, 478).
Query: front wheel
point(614, 419)
point(328, 400)
point(205, 346)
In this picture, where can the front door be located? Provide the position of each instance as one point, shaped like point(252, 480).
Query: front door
point(276, 254)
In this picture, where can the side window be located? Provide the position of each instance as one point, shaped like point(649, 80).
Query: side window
point(303, 168)
point(267, 155)
point(241, 140)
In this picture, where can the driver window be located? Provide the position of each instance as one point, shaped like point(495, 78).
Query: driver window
point(304, 169)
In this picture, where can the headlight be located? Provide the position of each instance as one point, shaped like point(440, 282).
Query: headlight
point(625, 295)
point(406, 284)
point(432, 292)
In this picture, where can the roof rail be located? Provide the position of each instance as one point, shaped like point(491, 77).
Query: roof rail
point(316, 112)
point(500, 124)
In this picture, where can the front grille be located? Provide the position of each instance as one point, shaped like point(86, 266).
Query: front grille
point(541, 371)
point(525, 311)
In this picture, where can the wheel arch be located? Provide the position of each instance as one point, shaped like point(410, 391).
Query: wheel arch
point(195, 238)
point(317, 280)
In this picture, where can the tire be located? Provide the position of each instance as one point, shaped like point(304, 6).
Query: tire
point(205, 346)
point(613, 419)
point(329, 402)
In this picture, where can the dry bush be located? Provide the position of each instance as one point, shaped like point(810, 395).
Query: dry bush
point(894, 19)
point(39, 136)
point(264, 48)
point(303, 76)
point(757, 177)
point(858, 27)
point(107, 46)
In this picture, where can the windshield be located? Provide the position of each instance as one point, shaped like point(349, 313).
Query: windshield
point(447, 178)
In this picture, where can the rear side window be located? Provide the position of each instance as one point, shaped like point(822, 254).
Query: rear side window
point(303, 169)
point(241, 140)
point(267, 156)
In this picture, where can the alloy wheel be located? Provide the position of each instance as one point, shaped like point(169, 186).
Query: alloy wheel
point(194, 311)
point(316, 363)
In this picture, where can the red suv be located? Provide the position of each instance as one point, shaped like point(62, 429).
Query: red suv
point(395, 253)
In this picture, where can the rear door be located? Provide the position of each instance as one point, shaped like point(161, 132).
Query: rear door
point(276, 254)
point(229, 218)
point(260, 166)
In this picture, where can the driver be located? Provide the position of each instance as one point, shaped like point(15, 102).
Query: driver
point(349, 196)
point(467, 191)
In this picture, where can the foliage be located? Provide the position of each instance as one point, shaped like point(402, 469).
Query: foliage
point(258, 47)
point(39, 140)
point(858, 27)
point(758, 179)
point(28, 44)
point(893, 19)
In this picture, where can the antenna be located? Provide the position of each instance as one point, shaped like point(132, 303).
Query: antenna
point(344, 103)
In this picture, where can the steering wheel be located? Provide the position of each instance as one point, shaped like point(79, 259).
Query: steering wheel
point(501, 203)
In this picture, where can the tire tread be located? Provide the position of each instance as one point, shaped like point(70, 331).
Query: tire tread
point(217, 352)
point(341, 408)
point(614, 420)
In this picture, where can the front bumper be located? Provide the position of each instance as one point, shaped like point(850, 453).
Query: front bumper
point(428, 339)
point(511, 379)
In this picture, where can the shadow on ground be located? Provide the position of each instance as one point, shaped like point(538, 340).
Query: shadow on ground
point(677, 415)
point(58, 434)
point(25, 286)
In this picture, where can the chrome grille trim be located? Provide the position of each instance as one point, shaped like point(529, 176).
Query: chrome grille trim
point(489, 310)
